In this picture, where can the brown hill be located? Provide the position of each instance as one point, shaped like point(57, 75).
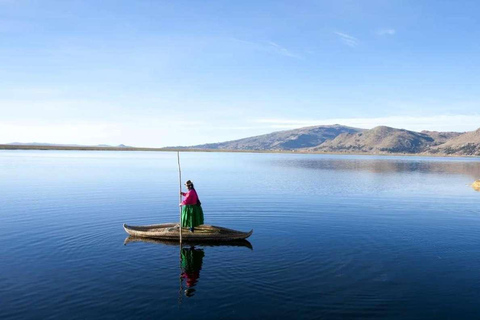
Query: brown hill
point(464, 144)
point(378, 140)
point(283, 140)
point(441, 137)
point(338, 138)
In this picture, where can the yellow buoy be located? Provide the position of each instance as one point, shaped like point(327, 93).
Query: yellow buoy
point(476, 185)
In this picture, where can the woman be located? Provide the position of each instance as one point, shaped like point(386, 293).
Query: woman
point(192, 213)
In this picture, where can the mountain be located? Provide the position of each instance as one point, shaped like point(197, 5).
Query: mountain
point(464, 144)
point(379, 139)
point(331, 138)
point(109, 146)
point(442, 137)
point(283, 140)
point(338, 138)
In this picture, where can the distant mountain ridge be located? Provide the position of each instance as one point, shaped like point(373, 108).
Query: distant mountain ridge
point(442, 137)
point(319, 139)
point(283, 140)
point(338, 138)
point(379, 139)
point(464, 144)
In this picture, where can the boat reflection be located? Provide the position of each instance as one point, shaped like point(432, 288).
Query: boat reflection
point(191, 259)
point(233, 243)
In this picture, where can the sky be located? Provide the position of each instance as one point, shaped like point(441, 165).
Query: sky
point(169, 73)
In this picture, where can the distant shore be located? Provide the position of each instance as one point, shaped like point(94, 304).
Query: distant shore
point(87, 148)
point(79, 148)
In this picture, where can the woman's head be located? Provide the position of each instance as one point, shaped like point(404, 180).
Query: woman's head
point(189, 184)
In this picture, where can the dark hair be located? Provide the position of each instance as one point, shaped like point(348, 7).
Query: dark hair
point(189, 184)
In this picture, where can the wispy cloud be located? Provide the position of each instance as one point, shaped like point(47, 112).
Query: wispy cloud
point(444, 122)
point(347, 39)
point(386, 32)
point(283, 51)
point(271, 47)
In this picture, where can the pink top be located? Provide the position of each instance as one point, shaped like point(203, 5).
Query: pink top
point(191, 197)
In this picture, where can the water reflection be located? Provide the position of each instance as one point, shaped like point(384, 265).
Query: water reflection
point(191, 264)
point(468, 167)
point(191, 259)
point(234, 243)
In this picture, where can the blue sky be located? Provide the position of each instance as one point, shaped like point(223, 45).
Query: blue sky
point(161, 73)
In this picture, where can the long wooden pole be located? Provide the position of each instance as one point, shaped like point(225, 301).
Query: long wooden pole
point(180, 185)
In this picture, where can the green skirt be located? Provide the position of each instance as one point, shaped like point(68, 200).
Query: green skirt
point(192, 216)
point(192, 259)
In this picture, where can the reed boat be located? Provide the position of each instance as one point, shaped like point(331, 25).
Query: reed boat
point(171, 231)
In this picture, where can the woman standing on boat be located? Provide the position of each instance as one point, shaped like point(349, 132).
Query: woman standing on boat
point(192, 213)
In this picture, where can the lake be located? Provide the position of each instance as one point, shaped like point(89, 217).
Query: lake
point(335, 237)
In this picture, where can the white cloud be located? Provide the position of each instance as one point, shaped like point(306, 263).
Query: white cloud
point(386, 32)
point(447, 122)
point(283, 51)
point(347, 39)
point(269, 46)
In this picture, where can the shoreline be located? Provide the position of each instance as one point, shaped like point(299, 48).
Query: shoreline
point(87, 148)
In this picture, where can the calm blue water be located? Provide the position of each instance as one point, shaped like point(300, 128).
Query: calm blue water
point(335, 237)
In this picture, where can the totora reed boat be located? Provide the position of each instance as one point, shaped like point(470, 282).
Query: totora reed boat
point(170, 231)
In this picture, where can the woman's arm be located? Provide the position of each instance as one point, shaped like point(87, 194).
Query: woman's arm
point(190, 198)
